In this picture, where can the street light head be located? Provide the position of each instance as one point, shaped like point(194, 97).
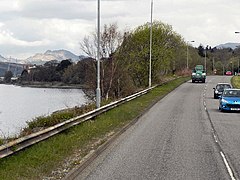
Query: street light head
point(237, 32)
point(190, 41)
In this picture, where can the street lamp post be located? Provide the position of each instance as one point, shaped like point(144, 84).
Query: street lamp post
point(237, 32)
point(213, 65)
point(238, 68)
point(223, 69)
point(205, 60)
point(98, 91)
point(187, 52)
point(150, 50)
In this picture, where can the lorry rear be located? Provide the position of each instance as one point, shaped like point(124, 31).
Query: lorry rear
point(198, 74)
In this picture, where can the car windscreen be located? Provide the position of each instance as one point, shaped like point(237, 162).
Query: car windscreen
point(231, 93)
point(221, 87)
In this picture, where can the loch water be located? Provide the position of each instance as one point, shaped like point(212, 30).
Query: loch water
point(21, 104)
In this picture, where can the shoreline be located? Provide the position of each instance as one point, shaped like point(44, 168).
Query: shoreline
point(52, 86)
point(55, 85)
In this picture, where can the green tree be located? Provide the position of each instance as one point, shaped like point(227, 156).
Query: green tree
point(46, 74)
point(165, 51)
point(201, 51)
point(24, 75)
point(63, 65)
point(84, 73)
point(7, 77)
point(219, 67)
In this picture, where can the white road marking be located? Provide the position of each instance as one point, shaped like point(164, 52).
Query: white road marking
point(230, 172)
point(228, 167)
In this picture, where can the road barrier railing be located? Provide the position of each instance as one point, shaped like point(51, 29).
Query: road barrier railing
point(26, 141)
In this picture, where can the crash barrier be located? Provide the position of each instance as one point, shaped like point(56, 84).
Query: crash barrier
point(26, 141)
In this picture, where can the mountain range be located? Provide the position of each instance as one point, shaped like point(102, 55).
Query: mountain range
point(16, 66)
point(59, 55)
point(2, 59)
point(228, 45)
point(41, 58)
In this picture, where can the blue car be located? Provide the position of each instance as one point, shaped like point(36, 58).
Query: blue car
point(230, 100)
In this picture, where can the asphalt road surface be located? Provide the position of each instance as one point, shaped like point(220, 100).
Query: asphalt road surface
point(183, 136)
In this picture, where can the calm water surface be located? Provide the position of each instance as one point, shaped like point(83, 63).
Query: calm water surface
point(21, 104)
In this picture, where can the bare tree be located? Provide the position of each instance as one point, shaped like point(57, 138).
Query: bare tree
point(88, 46)
point(111, 39)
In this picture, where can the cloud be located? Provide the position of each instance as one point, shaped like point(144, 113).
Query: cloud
point(61, 9)
point(44, 34)
point(6, 5)
point(206, 22)
point(39, 25)
point(8, 39)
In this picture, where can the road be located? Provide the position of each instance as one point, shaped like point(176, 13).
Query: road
point(176, 139)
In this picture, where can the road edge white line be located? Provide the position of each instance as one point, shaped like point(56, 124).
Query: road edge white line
point(230, 172)
point(228, 167)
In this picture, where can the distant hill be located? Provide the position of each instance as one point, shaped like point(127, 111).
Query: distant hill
point(10, 64)
point(59, 55)
point(14, 67)
point(41, 58)
point(228, 45)
point(2, 59)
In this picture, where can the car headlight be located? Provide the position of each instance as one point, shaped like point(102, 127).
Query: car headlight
point(193, 74)
point(224, 101)
point(204, 74)
point(216, 91)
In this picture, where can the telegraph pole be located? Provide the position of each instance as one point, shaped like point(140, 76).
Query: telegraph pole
point(150, 53)
point(205, 64)
point(98, 91)
point(213, 65)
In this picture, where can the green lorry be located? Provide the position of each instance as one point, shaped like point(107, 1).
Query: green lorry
point(198, 74)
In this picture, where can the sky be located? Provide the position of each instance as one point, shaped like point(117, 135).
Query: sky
point(28, 27)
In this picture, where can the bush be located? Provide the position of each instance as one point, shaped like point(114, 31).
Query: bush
point(43, 122)
point(1, 141)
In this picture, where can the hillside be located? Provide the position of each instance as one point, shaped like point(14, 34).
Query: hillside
point(15, 68)
point(39, 59)
point(228, 45)
point(59, 55)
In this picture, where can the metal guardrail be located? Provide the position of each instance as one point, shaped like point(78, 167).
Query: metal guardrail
point(24, 142)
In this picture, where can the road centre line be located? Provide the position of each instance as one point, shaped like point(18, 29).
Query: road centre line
point(230, 172)
point(214, 133)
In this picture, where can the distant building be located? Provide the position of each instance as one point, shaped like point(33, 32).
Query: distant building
point(14, 79)
point(31, 68)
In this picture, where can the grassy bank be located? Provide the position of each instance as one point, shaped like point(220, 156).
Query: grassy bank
point(57, 155)
point(236, 81)
point(36, 84)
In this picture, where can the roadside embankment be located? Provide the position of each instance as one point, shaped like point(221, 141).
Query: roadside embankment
point(55, 157)
point(236, 81)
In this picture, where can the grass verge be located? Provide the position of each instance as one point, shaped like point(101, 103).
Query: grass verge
point(236, 81)
point(57, 155)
